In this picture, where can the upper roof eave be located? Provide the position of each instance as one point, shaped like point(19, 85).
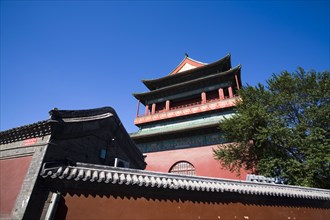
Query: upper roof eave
point(149, 83)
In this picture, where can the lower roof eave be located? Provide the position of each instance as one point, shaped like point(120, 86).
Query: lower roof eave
point(138, 135)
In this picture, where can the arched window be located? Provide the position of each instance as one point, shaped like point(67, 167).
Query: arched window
point(183, 167)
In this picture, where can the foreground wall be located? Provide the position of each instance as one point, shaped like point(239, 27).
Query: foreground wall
point(139, 203)
point(91, 191)
point(12, 174)
point(20, 162)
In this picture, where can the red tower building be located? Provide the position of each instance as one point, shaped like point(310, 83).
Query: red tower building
point(179, 127)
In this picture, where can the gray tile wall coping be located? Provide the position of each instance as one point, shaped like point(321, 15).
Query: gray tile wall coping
point(124, 176)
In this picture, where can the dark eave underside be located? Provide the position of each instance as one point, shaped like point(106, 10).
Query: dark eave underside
point(186, 75)
point(177, 87)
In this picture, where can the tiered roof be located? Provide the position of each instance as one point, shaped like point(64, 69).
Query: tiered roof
point(178, 82)
point(196, 70)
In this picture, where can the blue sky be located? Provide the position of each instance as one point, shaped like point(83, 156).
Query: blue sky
point(89, 54)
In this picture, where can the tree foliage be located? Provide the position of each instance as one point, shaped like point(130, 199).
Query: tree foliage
point(282, 129)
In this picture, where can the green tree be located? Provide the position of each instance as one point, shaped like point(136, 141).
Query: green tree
point(282, 129)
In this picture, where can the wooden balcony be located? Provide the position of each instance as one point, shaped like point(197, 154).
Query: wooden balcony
point(188, 109)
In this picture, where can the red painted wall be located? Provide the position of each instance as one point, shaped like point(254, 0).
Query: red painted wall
point(123, 206)
point(201, 158)
point(12, 174)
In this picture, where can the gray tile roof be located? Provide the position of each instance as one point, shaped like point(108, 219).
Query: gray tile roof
point(38, 129)
point(124, 176)
point(43, 128)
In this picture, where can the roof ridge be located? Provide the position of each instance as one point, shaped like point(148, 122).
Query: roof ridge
point(197, 61)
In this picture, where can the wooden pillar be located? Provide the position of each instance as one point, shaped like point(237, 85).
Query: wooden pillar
point(203, 97)
point(153, 108)
point(138, 108)
point(230, 91)
point(147, 110)
point(237, 84)
point(221, 94)
point(167, 105)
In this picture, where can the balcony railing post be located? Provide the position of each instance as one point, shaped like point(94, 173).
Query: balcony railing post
point(147, 110)
point(167, 105)
point(221, 94)
point(237, 84)
point(138, 108)
point(230, 91)
point(203, 97)
point(153, 108)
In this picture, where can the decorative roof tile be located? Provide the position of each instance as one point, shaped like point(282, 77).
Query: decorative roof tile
point(121, 176)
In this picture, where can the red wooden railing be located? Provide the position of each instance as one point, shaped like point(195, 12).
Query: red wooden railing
point(188, 105)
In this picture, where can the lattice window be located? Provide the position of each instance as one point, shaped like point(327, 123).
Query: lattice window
point(183, 167)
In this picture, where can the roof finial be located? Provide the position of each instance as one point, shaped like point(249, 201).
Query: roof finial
point(186, 55)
